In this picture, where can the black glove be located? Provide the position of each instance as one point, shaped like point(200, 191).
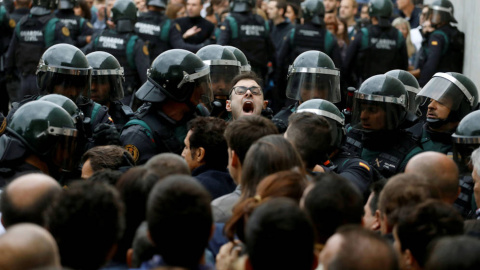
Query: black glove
point(105, 134)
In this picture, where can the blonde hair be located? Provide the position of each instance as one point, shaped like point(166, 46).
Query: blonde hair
point(410, 47)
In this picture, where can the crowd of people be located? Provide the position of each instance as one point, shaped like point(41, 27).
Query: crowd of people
point(334, 134)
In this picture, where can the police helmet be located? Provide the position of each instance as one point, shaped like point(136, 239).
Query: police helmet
point(328, 110)
point(453, 90)
point(68, 4)
point(179, 75)
point(223, 67)
point(411, 85)
point(242, 5)
point(466, 139)
point(379, 104)
point(313, 75)
point(124, 15)
point(245, 66)
point(157, 3)
point(106, 72)
point(442, 12)
point(48, 4)
point(47, 130)
point(382, 10)
point(63, 69)
point(313, 11)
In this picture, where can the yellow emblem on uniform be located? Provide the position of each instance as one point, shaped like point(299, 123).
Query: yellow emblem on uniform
point(178, 27)
point(133, 150)
point(353, 38)
point(12, 23)
point(89, 25)
point(3, 126)
point(223, 27)
point(145, 49)
point(65, 31)
point(434, 43)
point(364, 165)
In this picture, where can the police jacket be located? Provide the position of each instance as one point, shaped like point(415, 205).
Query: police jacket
point(79, 28)
point(431, 140)
point(375, 50)
point(195, 42)
point(18, 13)
point(120, 114)
point(153, 28)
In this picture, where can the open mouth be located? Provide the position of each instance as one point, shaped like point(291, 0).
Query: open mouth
point(248, 107)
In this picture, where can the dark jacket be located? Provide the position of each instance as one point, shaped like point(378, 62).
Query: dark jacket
point(217, 182)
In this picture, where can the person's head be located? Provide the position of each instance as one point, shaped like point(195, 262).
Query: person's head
point(454, 252)
point(83, 10)
point(175, 11)
point(313, 75)
point(380, 104)
point(161, 4)
point(353, 247)
point(124, 15)
point(313, 11)
point(87, 218)
point(331, 22)
point(332, 202)
point(26, 198)
point(310, 134)
point(224, 66)
point(330, 5)
point(205, 143)
point(166, 164)
point(270, 154)
point(279, 229)
point(405, 4)
point(99, 158)
point(107, 176)
point(107, 77)
point(348, 10)
point(424, 14)
point(451, 97)
point(402, 25)
point(402, 190)
point(141, 5)
point(67, 4)
point(440, 170)
point(441, 13)
point(292, 12)
point(411, 86)
point(465, 141)
point(49, 5)
point(246, 96)
point(28, 246)
point(371, 217)
point(63, 69)
point(418, 226)
point(380, 10)
point(177, 76)
point(179, 220)
point(242, 5)
point(276, 10)
point(194, 7)
point(364, 15)
point(142, 249)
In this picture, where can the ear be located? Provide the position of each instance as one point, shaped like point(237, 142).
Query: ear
point(149, 236)
point(248, 264)
point(376, 223)
point(235, 160)
point(130, 258)
point(409, 259)
point(265, 104)
point(315, 260)
point(200, 154)
point(228, 106)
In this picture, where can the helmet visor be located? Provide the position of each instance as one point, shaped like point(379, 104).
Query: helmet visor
point(439, 14)
point(446, 90)
point(462, 153)
point(202, 93)
point(75, 87)
point(106, 88)
point(222, 76)
point(413, 102)
point(64, 148)
point(372, 112)
point(314, 83)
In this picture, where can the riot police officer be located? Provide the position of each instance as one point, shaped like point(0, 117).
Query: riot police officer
point(380, 107)
point(343, 163)
point(249, 33)
point(107, 89)
point(450, 97)
point(377, 48)
point(445, 48)
point(240, 56)
point(311, 76)
point(33, 35)
point(40, 137)
point(465, 140)
point(22, 8)
point(178, 81)
point(153, 27)
point(128, 48)
point(80, 29)
point(224, 66)
point(6, 28)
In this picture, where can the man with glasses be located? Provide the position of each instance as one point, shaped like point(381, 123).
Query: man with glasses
point(246, 96)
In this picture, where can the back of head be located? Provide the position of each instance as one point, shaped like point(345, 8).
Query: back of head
point(418, 226)
point(178, 212)
point(124, 15)
point(279, 229)
point(26, 198)
point(403, 190)
point(270, 154)
point(370, 251)
point(311, 136)
point(87, 218)
point(111, 157)
point(332, 202)
point(455, 252)
point(166, 164)
point(143, 249)
point(28, 246)
point(243, 132)
point(313, 11)
point(382, 10)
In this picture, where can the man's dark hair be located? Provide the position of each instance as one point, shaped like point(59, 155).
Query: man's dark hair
point(370, 251)
point(419, 225)
point(179, 220)
point(86, 220)
point(246, 76)
point(281, 4)
point(376, 188)
point(106, 176)
point(166, 164)
point(455, 252)
point(243, 132)
point(108, 157)
point(311, 136)
point(280, 229)
point(331, 203)
point(143, 249)
point(34, 213)
point(207, 132)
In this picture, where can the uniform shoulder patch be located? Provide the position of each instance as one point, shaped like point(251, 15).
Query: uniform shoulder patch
point(89, 25)
point(145, 49)
point(223, 27)
point(364, 165)
point(133, 150)
point(352, 39)
point(65, 31)
point(12, 23)
point(3, 126)
point(178, 27)
point(434, 43)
